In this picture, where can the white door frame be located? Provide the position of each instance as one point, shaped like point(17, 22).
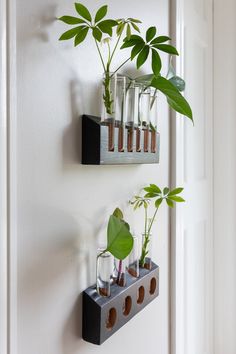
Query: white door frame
point(3, 183)
point(177, 244)
point(8, 148)
point(177, 179)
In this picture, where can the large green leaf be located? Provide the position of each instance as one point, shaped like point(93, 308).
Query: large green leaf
point(106, 26)
point(81, 36)
point(145, 79)
point(119, 239)
point(160, 39)
point(167, 48)
point(101, 13)
point(97, 34)
point(71, 33)
point(150, 34)
point(136, 49)
point(174, 97)
point(70, 20)
point(83, 11)
point(176, 191)
point(156, 62)
point(176, 198)
point(142, 57)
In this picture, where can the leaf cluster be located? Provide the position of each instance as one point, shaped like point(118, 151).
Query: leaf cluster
point(98, 26)
point(127, 25)
point(153, 192)
point(152, 44)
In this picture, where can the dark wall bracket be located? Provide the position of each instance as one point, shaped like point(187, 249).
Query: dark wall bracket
point(95, 146)
point(103, 316)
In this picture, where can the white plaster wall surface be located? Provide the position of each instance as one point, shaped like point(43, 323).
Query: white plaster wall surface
point(63, 206)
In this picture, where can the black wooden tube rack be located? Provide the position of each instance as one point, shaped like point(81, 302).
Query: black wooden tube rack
point(95, 143)
point(103, 316)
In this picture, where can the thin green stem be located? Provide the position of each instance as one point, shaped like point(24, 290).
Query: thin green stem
point(113, 52)
point(121, 66)
point(152, 220)
point(100, 54)
point(145, 225)
point(109, 55)
point(153, 99)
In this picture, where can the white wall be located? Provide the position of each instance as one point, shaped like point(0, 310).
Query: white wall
point(225, 175)
point(62, 206)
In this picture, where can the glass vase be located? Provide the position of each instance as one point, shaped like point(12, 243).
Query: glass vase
point(109, 88)
point(133, 267)
point(144, 107)
point(104, 272)
point(132, 115)
point(146, 253)
point(121, 111)
point(153, 119)
point(119, 272)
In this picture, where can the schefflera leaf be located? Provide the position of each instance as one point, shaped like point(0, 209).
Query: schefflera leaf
point(119, 239)
point(174, 97)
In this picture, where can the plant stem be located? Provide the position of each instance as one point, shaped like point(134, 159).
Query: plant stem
point(152, 220)
point(146, 237)
point(153, 99)
point(121, 66)
point(145, 226)
point(100, 54)
point(113, 52)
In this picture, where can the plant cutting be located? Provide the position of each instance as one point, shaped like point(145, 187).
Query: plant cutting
point(152, 194)
point(119, 244)
point(124, 34)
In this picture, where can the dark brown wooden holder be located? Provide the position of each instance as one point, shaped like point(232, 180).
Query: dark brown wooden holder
point(103, 316)
point(95, 146)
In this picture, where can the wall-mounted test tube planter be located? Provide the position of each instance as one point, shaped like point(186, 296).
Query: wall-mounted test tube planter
point(103, 316)
point(95, 143)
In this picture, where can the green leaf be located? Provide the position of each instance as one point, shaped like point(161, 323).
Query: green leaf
point(106, 26)
point(101, 13)
point(166, 190)
point(156, 62)
point(135, 20)
point(142, 57)
point(158, 202)
point(174, 97)
point(135, 27)
point(136, 37)
point(155, 188)
point(128, 31)
point(97, 34)
point(119, 239)
point(151, 195)
point(167, 48)
point(136, 49)
point(145, 79)
point(169, 203)
point(130, 43)
point(176, 191)
point(150, 34)
point(70, 20)
point(71, 33)
point(81, 36)
point(83, 11)
point(160, 39)
point(120, 28)
point(118, 213)
point(176, 198)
